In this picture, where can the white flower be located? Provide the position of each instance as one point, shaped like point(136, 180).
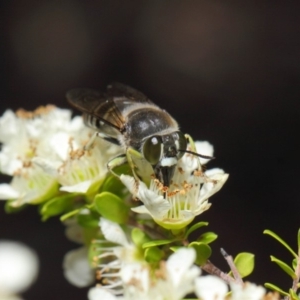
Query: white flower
point(78, 170)
point(44, 149)
point(249, 291)
point(172, 281)
point(187, 195)
point(77, 269)
point(114, 257)
point(18, 269)
point(25, 135)
point(180, 275)
point(210, 288)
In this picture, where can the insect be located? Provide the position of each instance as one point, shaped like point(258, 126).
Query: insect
point(150, 137)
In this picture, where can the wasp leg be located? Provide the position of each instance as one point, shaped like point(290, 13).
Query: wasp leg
point(141, 169)
point(103, 136)
point(116, 162)
point(91, 142)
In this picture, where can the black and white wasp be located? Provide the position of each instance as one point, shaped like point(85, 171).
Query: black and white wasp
point(126, 117)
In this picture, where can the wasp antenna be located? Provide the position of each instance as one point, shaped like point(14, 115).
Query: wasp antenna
point(196, 154)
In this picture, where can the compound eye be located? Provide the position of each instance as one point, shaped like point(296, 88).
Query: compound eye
point(153, 149)
point(180, 142)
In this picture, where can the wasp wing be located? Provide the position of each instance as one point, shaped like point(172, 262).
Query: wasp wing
point(131, 95)
point(104, 111)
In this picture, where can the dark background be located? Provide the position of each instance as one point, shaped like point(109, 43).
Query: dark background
point(228, 72)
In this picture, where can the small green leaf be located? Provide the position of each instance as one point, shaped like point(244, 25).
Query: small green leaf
point(203, 252)
point(293, 294)
point(275, 288)
point(207, 237)
point(139, 237)
point(287, 269)
point(57, 206)
point(294, 263)
point(153, 255)
point(114, 185)
point(195, 227)
point(244, 263)
point(88, 219)
point(112, 207)
point(156, 243)
point(281, 241)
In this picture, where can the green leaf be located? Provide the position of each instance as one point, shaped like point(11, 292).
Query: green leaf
point(156, 243)
point(90, 234)
point(112, 207)
point(287, 269)
point(207, 237)
point(88, 219)
point(275, 288)
point(195, 227)
point(244, 263)
point(294, 263)
point(139, 237)
point(281, 241)
point(57, 206)
point(293, 294)
point(114, 185)
point(153, 255)
point(203, 252)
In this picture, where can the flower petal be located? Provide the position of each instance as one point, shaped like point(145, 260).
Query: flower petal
point(155, 204)
point(77, 269)
point(210, 288)
point(7, 192)
point(113, 232)
point(81, 187)
point(99, 293)
point(210, 188)
point(204, 148)
point(176, 268)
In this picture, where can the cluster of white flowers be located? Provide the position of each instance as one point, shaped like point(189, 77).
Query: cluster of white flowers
point(127, 276)
point(43, 151)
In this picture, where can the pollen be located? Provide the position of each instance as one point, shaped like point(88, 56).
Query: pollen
point(98, 275)
point(181, 171)
point(75, 154)
point(27, 164)
point(162, 271)
point(173, 193)
point(198, 173)
point(41, 110)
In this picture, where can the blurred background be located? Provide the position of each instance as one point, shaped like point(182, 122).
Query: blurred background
point(228, 71)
